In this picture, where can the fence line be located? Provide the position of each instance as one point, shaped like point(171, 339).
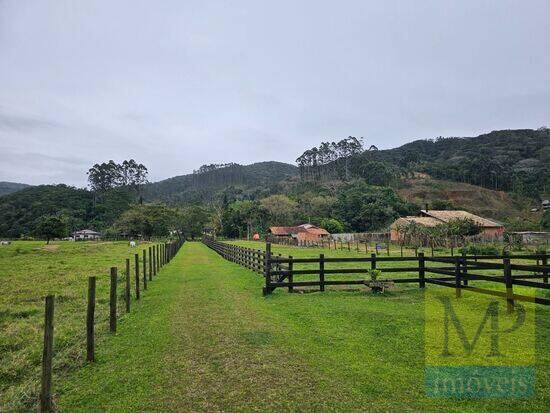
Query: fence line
point(450, 271)
point(168, 249)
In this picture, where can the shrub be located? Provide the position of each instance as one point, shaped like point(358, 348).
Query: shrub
point(480, 249)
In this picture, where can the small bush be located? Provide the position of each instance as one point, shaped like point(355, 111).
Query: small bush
point(480, 249)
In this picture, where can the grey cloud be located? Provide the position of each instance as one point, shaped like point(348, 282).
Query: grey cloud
point(16, 123)
point(178, 84)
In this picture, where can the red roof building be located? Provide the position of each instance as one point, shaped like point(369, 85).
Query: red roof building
point(300, 232)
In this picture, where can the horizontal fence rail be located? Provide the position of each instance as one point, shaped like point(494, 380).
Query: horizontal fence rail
point(450, 271)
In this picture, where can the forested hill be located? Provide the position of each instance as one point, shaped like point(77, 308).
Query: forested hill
point(507, 160)
point(249, 181)
point(10, 187)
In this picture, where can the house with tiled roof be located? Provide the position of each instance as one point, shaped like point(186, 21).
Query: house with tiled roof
point(302, 232)
point(431, 218)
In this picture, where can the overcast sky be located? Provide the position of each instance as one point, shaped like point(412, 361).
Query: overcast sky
point(176, 84)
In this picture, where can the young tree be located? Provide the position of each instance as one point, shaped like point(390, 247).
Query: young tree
point(51, 227)
point(332, 225)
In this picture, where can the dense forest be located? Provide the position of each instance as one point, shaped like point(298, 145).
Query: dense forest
point(345, 185)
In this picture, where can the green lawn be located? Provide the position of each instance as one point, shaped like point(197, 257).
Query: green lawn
point(204, 339)
point(28, 272)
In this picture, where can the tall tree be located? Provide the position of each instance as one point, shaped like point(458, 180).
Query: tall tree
point(51, 227)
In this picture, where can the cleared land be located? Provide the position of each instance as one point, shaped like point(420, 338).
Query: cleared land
point(28, 272)
point(205, 339)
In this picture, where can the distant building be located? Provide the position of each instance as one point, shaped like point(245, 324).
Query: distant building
point(86, 235)
point(429, 218)
point(546, 204)
point(532, 237)
point(301, 232)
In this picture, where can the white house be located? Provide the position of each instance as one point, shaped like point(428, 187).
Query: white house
point(86, 235)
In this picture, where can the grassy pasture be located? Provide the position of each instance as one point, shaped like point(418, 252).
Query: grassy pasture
point(208, 341)
point(28, 272)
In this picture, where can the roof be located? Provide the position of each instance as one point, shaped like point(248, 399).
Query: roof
point(445, 216)
point(424, 221)
point(317, 231)
point(304, 228)
point(286, 230)
point(87, 231)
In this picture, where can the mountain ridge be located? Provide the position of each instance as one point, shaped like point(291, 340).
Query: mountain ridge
point(11, 187)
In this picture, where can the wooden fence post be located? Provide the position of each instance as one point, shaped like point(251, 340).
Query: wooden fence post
point(157, 248)
point(544, 271)
point(373, 261)
point(464, 268)
point(290, 275)
point(267, 269)
point(47, 356)
point(112, 300)
point(150, 264)
point(421, 270)
point(136, 258)
point(90, 320)
point(322, 272)
point(154, 260)
point(144, 269)
point(127, 290)
point(458, 291)
point(509, 284)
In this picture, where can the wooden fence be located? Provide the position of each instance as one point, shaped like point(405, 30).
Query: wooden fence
point(456, 272)
point(154, 257)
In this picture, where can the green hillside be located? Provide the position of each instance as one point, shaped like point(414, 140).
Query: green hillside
point(506, 160)
point(250, 181)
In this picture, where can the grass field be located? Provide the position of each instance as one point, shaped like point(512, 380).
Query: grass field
point(28, 272)
point(206, 340)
